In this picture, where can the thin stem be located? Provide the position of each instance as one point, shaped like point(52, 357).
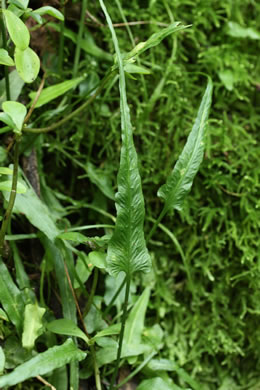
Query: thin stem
point(114, 297)
point(92, 292)
point(10, 206)
point(79, 37)
point(61, 43)
point(72, 114)
point(155, 225)
point(96, 369)
point(7, 84)
point(122, 330)
point(35, 99)
point(138, 369)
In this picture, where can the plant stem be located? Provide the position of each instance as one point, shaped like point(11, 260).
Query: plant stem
point(79, 37)
point(96, 369)
point(155, 225)
point(114, 297)
point(10, 206)
point(138, 369)
point(61, 43)
point(7, 84)
point(72, 114)
point(122, 330)
point(92, 292)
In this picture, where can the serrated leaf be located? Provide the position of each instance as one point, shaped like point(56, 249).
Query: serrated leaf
point(49, 11)
point(50, 93)
point(127, 250)
point(7, 186)
point(43, 363)
point(66, 327)
point(5, 59)
point(18, 31)
point(11, 297)
point(16, 111)
point(32, 326)
point(27, 64)
point(181, 178)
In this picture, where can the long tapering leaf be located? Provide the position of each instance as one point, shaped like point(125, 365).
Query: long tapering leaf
point(43, 363)
point(181, 178)
point(127, 249)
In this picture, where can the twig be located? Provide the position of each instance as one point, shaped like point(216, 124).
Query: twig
point(35, 99)
point(41, 379)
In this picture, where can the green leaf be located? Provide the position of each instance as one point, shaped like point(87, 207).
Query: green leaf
point(7, 120)
point(181, 178)
point(32, 327)
point(7, 186)
point(98, 259)
point(132, 68)
point(73, 236)
point(5, 59)
point(127, 250)
point(135, 326)
point(43, 363)
point(16, 111)
point(66, 327)
point(11, 297)
point(18, 31)
point(16, 85)
point(3, 315)
point(2, 361)
point(27, 64)
point(101, 180)
point(227, 78)
point(156, 384)
point(109, 331)
point(49, 11)
point(50, 93)
point(237, 31)
point(154, 40)
point(5, 171)
point(36, 212)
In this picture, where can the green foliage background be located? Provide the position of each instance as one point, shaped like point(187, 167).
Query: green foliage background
point(207, 305)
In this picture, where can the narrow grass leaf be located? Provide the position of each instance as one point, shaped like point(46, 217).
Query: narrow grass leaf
point(27, 64)
point(18, 31)
point(5, 59)
point(50, 93)
point(127, 250)
point(109, 331)
point(180, 180)
point(7, 186)
point(33, 327)
point(66, 327)
point(2, 361)
point(11, 298)
point(5, 171)
point(155, 39)
point(43, 363)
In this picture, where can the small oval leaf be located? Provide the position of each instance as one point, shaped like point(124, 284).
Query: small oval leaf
point(32, 327)
point(7, 120)
point(5, 59)
point(17, 111)
point(27, 64)
point(18, 31)
point(66, 327)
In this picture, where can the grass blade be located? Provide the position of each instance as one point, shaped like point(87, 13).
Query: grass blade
point(180, 180)
point(127, 249)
